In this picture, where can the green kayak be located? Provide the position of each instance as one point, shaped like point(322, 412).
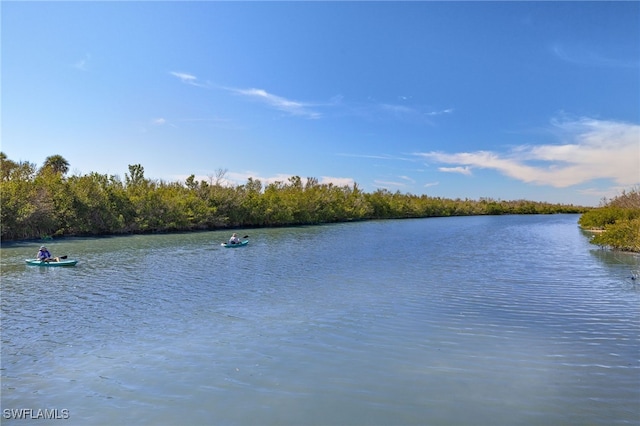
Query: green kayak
point(35, 262)
point(240, 244)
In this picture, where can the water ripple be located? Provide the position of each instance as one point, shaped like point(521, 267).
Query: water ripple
point(512, 318)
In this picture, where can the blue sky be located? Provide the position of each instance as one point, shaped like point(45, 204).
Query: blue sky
point(508, 100)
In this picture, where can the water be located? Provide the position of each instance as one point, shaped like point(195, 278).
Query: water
point(512, 320)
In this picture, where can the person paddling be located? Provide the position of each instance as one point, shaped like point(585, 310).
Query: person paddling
point(45, 256)
point(234, 239)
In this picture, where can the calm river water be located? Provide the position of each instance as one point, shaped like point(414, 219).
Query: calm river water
point(505, 320)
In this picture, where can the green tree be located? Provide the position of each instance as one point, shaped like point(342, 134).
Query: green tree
point(622, 235)
point(56, 164)
point(44, 202)
point(135, 176)
point(619, 221)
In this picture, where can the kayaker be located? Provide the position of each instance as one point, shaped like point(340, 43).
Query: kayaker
point(45, 255)
point(234, 239)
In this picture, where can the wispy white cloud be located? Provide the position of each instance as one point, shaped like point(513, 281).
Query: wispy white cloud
point(160, 122)
point(602, 193)
point(337, 181)
point(398, 109)
point(592, 149)
point(430, 184)
point(292, 107)
point(283, 104)
point(459, 169)
point(410, 113)
point(377, 157)
point(184, 77)
point(312, 110)
point(389, 183)
point(407, 179)
point(190, 79)
point(398, 182)
point(581, 55)
point(206, 120)
point(440, 112)
point(239, 178)
point(400, 112)
point(82, 64)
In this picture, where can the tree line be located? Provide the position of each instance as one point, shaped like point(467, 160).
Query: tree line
point(616, 222)
point(43, 201)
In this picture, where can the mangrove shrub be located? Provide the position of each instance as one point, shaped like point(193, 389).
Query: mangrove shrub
point(38, 202)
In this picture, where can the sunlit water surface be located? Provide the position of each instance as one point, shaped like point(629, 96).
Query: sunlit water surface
point(508, 320)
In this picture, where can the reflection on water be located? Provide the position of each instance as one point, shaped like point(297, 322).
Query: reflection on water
point(620, 261)
point(482, 320)
point(617, 260)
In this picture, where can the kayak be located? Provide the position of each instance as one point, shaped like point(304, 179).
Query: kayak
point(35, 262)
point(236, 245)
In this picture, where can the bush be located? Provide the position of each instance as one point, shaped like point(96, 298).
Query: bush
point(619, 219)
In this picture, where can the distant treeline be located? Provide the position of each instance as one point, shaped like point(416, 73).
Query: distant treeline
point(616, 222)
point(42, 202)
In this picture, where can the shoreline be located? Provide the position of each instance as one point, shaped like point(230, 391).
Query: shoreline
point(52, 239)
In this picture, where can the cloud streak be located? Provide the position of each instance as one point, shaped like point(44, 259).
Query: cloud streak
point(388, 183)
point(278, 102)
point(594, 149)
point(403, 182)
point(441, 112)
point(337, 181)
point(82, 64)
point(377, 157)
point(579, 55)
point(310, 110)
point(462, 170)
point(410, 113)
point(189, 79)
point(240, 178)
